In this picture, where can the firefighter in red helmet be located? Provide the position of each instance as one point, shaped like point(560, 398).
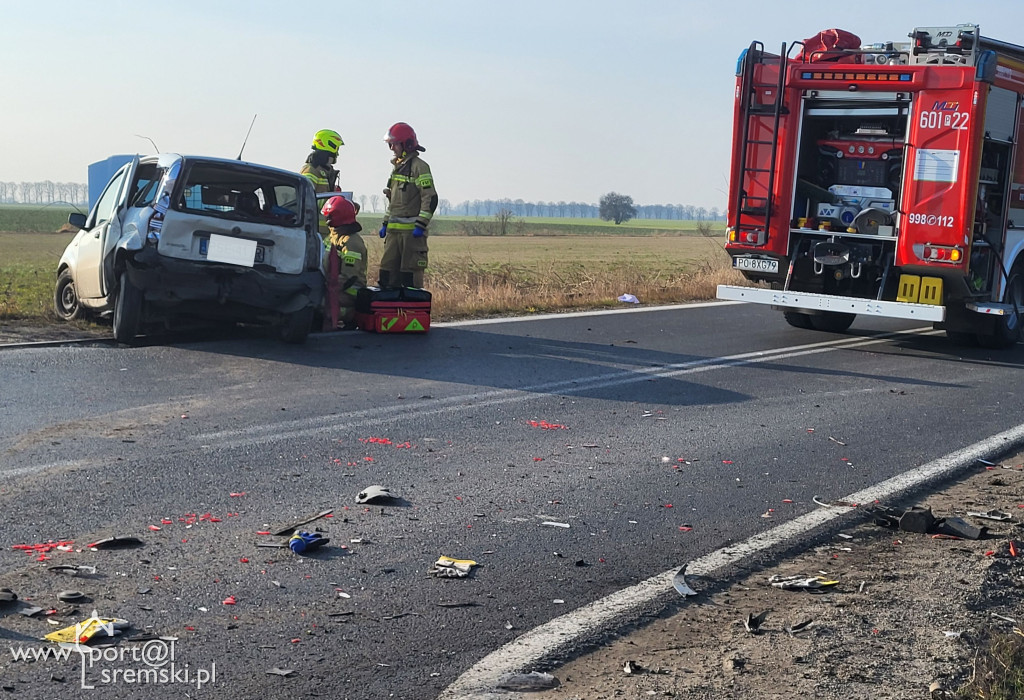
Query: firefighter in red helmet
point(350, 250)
point(412, 201)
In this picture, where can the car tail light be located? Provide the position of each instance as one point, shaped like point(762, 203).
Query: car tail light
point(938, 253)
point(154, 227)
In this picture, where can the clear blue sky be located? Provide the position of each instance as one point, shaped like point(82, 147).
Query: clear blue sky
point(557, 100)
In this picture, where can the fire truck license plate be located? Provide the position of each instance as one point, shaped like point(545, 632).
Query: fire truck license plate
point(756, 264)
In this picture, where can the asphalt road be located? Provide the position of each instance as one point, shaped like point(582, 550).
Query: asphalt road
point(630, 427)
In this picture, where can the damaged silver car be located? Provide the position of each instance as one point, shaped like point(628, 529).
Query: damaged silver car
point(177, 237)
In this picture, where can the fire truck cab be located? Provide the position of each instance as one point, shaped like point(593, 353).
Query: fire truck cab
point(882, 180)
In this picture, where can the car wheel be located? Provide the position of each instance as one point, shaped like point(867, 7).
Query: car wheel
point(1007, 331)
point(296, 326)
point(65, 297)
point(127, 310)
point(832, 321)
point(797, 319)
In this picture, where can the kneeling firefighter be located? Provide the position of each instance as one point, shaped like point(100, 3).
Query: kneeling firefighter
point(346, 264)
point(412, 200)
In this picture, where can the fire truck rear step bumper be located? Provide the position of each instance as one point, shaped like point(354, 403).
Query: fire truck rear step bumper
point(824, 302)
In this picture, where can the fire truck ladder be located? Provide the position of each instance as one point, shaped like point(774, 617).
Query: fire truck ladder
point(757, 206)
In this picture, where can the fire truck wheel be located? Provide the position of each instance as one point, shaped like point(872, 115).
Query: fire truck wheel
point(832, 321)
point(797, 319)
point(1007, 332)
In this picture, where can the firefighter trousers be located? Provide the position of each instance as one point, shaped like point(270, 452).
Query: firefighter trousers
point(405, 257)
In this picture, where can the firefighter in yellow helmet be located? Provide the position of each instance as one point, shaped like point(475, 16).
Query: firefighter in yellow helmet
point(348, 245)
point(412, 200)
point(319, 167)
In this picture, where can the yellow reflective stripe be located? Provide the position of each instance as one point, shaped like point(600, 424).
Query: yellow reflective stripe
point(425, 180)
point(401, 227)
point(316, 180)
point(354, 291)
point(401, 178)
point(426, 214)
point(351, 258)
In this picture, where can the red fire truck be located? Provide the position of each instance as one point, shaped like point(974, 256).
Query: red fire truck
point(882, 180)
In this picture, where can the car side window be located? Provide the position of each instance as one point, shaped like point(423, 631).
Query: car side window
point(147, 184)
point(107, 203)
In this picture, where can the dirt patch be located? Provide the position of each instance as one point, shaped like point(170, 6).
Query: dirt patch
point(21, 331)
point(909, 610)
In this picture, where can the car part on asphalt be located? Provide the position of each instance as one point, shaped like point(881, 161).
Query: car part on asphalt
point(288, 530)
point(375, 493)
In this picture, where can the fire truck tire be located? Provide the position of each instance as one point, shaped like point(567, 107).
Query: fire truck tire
point(832, 321)
point(797, 319)
point(1007, 332)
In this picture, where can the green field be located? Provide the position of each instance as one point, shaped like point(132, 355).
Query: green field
point(545, 265)
point(24, 218)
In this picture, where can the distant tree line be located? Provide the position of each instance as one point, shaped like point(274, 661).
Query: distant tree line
point(48, 192)
point(556, 210)
point(45, 192)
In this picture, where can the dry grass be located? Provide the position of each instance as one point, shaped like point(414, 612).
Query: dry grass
point(998, 672)
point(464, 288)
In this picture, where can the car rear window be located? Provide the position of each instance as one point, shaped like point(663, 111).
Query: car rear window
point(242, 194)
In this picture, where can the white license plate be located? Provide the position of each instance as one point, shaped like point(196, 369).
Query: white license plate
point(234, 251)
point(756, 264)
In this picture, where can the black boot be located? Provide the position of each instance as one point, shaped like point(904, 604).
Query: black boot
point(384, 279)
point(408, 279)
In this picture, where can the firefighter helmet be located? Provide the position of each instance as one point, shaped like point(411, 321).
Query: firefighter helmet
point(338, 211)
point(403, 135)
point(327, 140)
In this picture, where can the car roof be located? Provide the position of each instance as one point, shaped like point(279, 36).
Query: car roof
point(166, 159)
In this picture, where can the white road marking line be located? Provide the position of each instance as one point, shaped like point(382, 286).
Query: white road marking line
point(580, 314)
point(478, 683)
point(381, 415)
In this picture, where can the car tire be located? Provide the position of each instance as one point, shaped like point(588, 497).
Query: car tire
point(295, 327)
point(832, 321)
point(127, 311)
point(65, 297)
point(797, 319)
point(1007, 332)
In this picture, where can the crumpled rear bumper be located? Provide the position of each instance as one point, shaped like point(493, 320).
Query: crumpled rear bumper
point(216, 290)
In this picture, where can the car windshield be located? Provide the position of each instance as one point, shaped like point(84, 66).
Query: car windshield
point(241, 194)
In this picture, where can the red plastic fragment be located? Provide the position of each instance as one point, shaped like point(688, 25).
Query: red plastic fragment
point(244, 560)
point(238, 494)
point(544, 425)
point(726, 461)
point(263, 532)
point(230, 600)
point(154, 527)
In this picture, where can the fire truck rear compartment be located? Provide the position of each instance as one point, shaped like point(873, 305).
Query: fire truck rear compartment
point(848, 179)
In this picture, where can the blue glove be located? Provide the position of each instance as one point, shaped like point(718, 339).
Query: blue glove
point(305, 541)
point(418, 231)
point(383, 230)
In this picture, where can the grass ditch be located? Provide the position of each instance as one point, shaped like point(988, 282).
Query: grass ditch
point(998, 669)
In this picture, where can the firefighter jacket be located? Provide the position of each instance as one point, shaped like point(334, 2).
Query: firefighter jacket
point(352, 251)
point(410, 191)
point(324, 179)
